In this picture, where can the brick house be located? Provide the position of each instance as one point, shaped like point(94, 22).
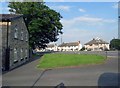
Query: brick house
point(96, 45)
point(72, 46)
point(15, 47)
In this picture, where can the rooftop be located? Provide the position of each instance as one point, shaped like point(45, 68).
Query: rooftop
point(69, 44)
point(9, 17)
point(97, 41)
point(50, 45)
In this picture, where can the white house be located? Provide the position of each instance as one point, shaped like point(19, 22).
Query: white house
point(72, 46)
point(51, 47)
point(96, 45)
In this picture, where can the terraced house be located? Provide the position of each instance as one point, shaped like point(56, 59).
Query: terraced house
point(15, 48)
point(51, 47)
point(72, 46)
point(97, 44)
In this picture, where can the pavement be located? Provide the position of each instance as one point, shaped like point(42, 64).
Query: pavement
point(91, 75)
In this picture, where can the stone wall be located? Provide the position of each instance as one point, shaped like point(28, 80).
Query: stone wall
point(4, 42)
point(15, 42)
point(18, 43)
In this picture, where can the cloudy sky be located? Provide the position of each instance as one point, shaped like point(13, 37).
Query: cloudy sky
point(87, 20)
point(83, 21)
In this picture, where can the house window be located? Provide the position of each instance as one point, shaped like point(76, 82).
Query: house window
point(26, 53)
point(90, 44)
point(15, 55)
point(21, 54)
point(16, 32)
point(26, 37)
point(22, 35)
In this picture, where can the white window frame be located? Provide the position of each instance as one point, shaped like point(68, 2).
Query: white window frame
point(15, 55)
point(26, 37)
point(21, 53)
point(22, 35)
point(26, 52)
point(16, 33)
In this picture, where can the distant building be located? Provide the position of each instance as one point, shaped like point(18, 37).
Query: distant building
point(51, 47)
point(96, 45)
point(15, 47)
point(72, 46)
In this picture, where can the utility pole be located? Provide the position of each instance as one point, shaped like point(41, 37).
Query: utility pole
point(61, 38)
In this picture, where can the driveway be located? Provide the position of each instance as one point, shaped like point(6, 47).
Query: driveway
point(29, 75)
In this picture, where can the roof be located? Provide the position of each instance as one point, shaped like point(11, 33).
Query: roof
point(96, 41)
point(50, 45)
point(9, 17)
point(69, 44)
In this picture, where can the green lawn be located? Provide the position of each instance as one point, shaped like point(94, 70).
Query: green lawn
point(62, 60)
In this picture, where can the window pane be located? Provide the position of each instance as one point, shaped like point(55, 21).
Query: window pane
point(15, 55)
point(21, 35)
point(26, 52)
point(16, 33)
point(21, 53)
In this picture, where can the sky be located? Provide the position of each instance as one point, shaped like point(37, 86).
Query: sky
point(83, 21)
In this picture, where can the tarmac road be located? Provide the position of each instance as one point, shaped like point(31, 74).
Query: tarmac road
point(29, 75)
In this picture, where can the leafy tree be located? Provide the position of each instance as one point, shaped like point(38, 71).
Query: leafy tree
point(43, 23)
point(83, 48)
point(115, 44)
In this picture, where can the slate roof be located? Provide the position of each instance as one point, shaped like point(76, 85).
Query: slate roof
point(96, 41)
point(69, 44)
point(9, 17)
point(50, 45)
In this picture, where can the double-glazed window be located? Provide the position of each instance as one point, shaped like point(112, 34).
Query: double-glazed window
point(22, 34)
point(16, 32)
point(26, 52)
point(26, 37)
point(21, 53)
point(15, 55)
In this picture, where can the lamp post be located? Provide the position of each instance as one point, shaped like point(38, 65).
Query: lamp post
point(61, 38)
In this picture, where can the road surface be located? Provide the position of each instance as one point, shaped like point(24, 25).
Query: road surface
point(29, 75)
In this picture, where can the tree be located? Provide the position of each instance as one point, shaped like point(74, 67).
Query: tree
point(43, 23)
point(83, 48)
point(115, 44)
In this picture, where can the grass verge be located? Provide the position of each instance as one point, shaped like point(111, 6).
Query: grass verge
point(62, 60)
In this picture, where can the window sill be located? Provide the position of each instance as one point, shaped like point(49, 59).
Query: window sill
point(22, 59)
point(26, 58)
point(15, 61)
point(16, 38)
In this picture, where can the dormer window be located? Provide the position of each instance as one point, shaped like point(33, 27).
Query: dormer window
point(16, 32)
point(22, 35)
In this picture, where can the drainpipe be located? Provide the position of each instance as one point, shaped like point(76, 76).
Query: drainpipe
point(7, 49)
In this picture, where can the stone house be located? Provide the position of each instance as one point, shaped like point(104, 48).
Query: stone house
point(72, 46)
point(15, 39)
point(96, 45)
